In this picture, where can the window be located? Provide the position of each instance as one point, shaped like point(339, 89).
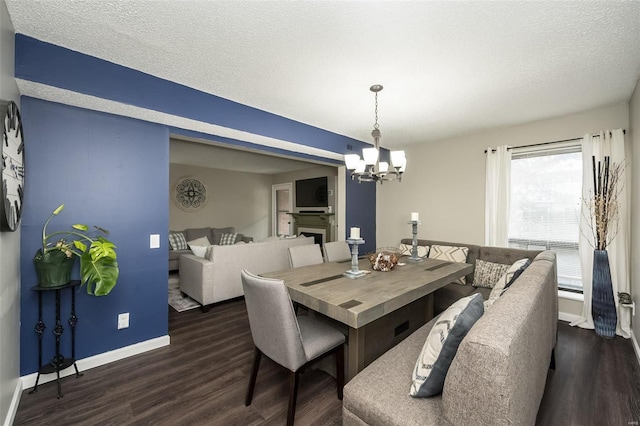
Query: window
point(546, 191)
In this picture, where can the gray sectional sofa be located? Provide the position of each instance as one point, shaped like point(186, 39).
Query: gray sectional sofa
point(190, 234)
point(499, 372)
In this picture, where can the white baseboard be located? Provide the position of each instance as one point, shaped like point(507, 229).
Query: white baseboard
point(13, 407)
point(85, 364)
point(563, 316)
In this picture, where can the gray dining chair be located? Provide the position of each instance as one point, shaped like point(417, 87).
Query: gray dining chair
point(290, 341)
point(305, 255)
point(336, 251)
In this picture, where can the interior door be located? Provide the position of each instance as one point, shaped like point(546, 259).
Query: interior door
point(281, 203)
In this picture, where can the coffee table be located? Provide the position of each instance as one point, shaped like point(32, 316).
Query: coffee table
point(376, 311)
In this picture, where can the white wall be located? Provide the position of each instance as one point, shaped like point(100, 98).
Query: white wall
point(238, 199)
point(9, 254)
point(634, 136)
point(445, 179)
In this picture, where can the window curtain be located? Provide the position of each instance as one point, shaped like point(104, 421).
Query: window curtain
point(497, 188)
point(609, 143)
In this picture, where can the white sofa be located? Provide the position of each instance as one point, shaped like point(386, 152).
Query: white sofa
point(217, 277)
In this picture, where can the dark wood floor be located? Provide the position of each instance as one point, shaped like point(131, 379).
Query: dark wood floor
point(201, 378)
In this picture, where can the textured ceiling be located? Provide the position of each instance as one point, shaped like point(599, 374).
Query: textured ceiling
point(448, 68)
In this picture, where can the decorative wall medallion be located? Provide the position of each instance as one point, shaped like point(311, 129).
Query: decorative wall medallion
point(12, 186)
point(189, 194)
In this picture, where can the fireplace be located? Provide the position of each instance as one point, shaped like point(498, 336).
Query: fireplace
point(316, 225)
point(319, 235)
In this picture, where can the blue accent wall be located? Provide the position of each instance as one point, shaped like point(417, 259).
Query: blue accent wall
point(109, 171)
point(112, 171)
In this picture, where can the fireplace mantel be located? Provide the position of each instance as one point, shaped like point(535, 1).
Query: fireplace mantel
point(315, 221)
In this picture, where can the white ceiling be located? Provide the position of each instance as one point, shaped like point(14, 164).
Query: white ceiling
point(448, 68)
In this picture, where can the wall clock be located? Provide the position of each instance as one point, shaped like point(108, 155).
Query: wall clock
point(189, 194)
point(12, 167)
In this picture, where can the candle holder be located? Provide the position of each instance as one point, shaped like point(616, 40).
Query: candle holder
point(414, 249)
point(354, 272)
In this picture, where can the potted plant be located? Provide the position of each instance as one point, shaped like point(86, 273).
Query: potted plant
point(98, 264)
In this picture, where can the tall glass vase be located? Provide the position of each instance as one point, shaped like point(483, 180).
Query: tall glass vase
point(603, 306)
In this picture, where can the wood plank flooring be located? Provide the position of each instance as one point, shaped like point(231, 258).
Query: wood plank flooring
point(201, 378)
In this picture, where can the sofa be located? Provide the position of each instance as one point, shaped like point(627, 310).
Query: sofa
point(445, 296)
point(498, 374)
point(190, 234)
point(217, 277)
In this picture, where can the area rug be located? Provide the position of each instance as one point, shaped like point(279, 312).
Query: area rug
point(176, 301)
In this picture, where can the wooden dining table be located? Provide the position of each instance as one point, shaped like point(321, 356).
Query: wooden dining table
point(375, 311)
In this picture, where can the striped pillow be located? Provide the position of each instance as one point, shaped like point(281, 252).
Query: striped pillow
point(451, 254)
point(177, 241)
point(228, 239)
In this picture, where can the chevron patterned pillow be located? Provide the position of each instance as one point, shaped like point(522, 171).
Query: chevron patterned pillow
point(451, 254)
point(442, 344)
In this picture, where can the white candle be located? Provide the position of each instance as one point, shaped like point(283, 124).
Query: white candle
point(355, 233)
point(415, 216)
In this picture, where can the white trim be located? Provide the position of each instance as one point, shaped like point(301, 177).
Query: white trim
point(569, 295)
point(104, 358)
point(636, 348)
point(68, 97)
point(13, 407)
point(564, 316)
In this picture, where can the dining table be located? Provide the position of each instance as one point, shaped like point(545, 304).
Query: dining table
point(375, 311)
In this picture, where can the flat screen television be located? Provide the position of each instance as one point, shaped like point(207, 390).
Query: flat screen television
point(312, 192)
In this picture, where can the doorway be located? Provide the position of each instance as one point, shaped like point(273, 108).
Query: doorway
point(281, 201)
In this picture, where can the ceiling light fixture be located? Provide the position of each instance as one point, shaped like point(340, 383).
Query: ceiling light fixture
point(369, 168)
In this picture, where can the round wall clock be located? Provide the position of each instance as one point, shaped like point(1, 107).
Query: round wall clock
point(12, 167)
point(189, 194)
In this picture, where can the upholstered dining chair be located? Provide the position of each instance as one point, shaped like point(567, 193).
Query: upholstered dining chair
point(305, 255)
point(290, 341)
point(336, 251)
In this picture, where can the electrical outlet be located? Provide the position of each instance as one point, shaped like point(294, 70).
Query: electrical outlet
point(123, 320)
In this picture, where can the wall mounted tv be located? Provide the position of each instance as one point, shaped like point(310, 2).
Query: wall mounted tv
point(312, 192)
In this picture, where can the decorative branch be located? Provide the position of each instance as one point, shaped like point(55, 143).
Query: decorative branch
point(603, 205)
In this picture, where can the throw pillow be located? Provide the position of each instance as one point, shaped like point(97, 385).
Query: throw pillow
point(199, 251)
point(405, 250)
point(177, 241)
point(200, 245)
point(506, 280)
point(228, 239)
point(486, 274)
point(451, 254)
point(442, 344)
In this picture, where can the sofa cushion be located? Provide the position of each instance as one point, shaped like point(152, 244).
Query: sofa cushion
point(195, 233)
point(177, 241)
point(405, 250)
point(442, 344)
point(227, 239)
point(506, 280)
point(199, 246)
point(486, 274)
point(217, 233)
point(451, 254)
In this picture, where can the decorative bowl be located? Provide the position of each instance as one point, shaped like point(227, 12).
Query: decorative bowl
point(384, 258)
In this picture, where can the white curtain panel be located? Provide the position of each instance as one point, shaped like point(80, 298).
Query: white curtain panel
point(609, 143)
point(497, 191)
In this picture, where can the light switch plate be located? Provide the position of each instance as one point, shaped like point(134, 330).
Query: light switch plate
point(154, 241)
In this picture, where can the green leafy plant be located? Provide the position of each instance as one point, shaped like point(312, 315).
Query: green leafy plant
point(98, 264)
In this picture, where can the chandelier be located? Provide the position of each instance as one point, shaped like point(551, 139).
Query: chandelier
point(369, 168)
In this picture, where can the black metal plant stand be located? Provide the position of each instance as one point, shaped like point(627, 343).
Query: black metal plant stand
point(58, 362)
